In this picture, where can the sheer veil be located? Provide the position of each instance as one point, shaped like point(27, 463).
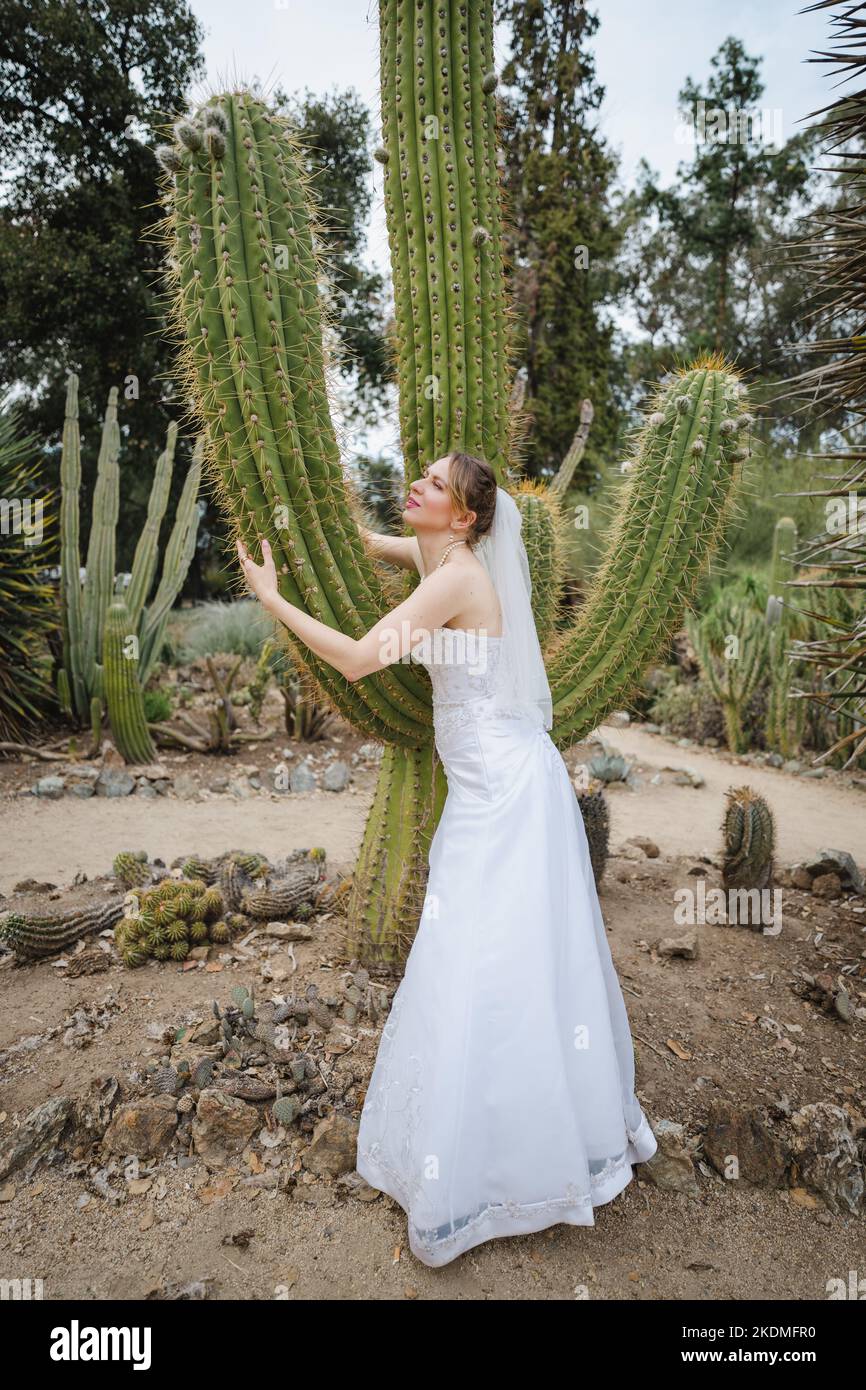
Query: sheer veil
point(521, 678)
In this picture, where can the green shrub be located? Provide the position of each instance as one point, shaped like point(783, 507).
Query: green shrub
point(239, 629)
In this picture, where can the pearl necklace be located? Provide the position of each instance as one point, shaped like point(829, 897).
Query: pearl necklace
point(447, 551)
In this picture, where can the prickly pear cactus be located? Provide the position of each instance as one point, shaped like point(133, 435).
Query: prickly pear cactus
point(244, 266)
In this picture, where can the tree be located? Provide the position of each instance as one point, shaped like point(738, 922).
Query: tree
point(564, 233)
point(706, 257)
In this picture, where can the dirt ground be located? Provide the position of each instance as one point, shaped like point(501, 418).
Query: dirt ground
point(727, 1024)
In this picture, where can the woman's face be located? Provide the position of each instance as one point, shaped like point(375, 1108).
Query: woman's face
point(428, 505)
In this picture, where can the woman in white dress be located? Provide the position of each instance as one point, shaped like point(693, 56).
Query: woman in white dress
point(502, 1098)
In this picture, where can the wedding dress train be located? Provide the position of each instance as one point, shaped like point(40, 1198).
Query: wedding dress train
point(502, 1097)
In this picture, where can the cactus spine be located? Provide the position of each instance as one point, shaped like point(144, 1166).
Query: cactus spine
point(244, 271)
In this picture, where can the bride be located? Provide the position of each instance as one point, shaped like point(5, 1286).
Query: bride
point(502, 1098)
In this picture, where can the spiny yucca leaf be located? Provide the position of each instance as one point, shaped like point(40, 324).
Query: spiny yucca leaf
point(27, 599)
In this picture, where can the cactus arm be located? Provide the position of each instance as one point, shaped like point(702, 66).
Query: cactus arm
point(245, 382)
point(76, 698)
point(146, 552)
point(686, 464)
point(99, 580)
point(179, 553)
point(123, 695)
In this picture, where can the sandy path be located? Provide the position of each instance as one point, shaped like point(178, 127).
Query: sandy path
point(57, 839)
point(811, 813)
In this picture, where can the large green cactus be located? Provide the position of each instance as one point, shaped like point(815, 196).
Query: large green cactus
point(85, 607)
point(244, 267)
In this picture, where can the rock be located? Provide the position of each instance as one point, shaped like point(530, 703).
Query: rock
point(685, 743)
point(82, 789)
point(154, 772)
point(36, 1136)
point(792, 765)
point(94, 1109)
point(143, 1128)
point(742, 1143)
point(80, 772)
point(649, 847)
point(32, 885)
point(775, 760)
point(145, 789)
point(109, 756)
point(371, 751)
point(686, 946)
point(51, 787)
point(838, 861)
point(302, 778)
point(255, 782)
point(801, 878)
point(827, 885)
point(114, 781)
point(826, 1156)
point(240, 789)
point(162, 786)
point(185, 786)
point(334, 1147)
point(223, 1126)
point(336, 777)
point(711, 742)
point(814, 772)
point(685, 776)
point(219, 784)
point(671, 1168)
point(619, 718)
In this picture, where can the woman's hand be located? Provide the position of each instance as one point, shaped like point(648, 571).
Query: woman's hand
point(262, 578)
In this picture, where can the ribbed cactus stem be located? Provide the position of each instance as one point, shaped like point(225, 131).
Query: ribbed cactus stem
point(248, 312)
point(179, 554)
point(671, 517)
point(749, 840)
point(732, 675)
point(123, 695)
point(146, 551)
point(99, 579)
point(74, 691)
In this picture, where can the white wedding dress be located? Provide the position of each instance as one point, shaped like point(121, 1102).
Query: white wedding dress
point(502, 1098)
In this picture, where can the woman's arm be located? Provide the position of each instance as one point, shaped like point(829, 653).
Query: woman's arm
point(397, 550)
point(436, 599)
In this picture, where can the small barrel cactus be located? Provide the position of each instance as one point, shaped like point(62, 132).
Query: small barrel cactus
point(749, 832)
point(596, 822)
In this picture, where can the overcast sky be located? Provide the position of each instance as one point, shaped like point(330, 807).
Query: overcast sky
point(645, 49)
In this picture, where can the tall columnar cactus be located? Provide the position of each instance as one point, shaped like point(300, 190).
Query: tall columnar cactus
point(122, 685)
point(730, 641)
point(785, 718)
point(85, 607)
point(244, 269)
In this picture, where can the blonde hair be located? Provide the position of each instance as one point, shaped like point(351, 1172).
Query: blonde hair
point(472, 485)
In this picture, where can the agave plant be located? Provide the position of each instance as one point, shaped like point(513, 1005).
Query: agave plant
point(27, 599)
point(831, 252)
point(245, 268)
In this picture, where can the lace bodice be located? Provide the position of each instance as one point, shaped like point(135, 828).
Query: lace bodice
point(462, 666)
